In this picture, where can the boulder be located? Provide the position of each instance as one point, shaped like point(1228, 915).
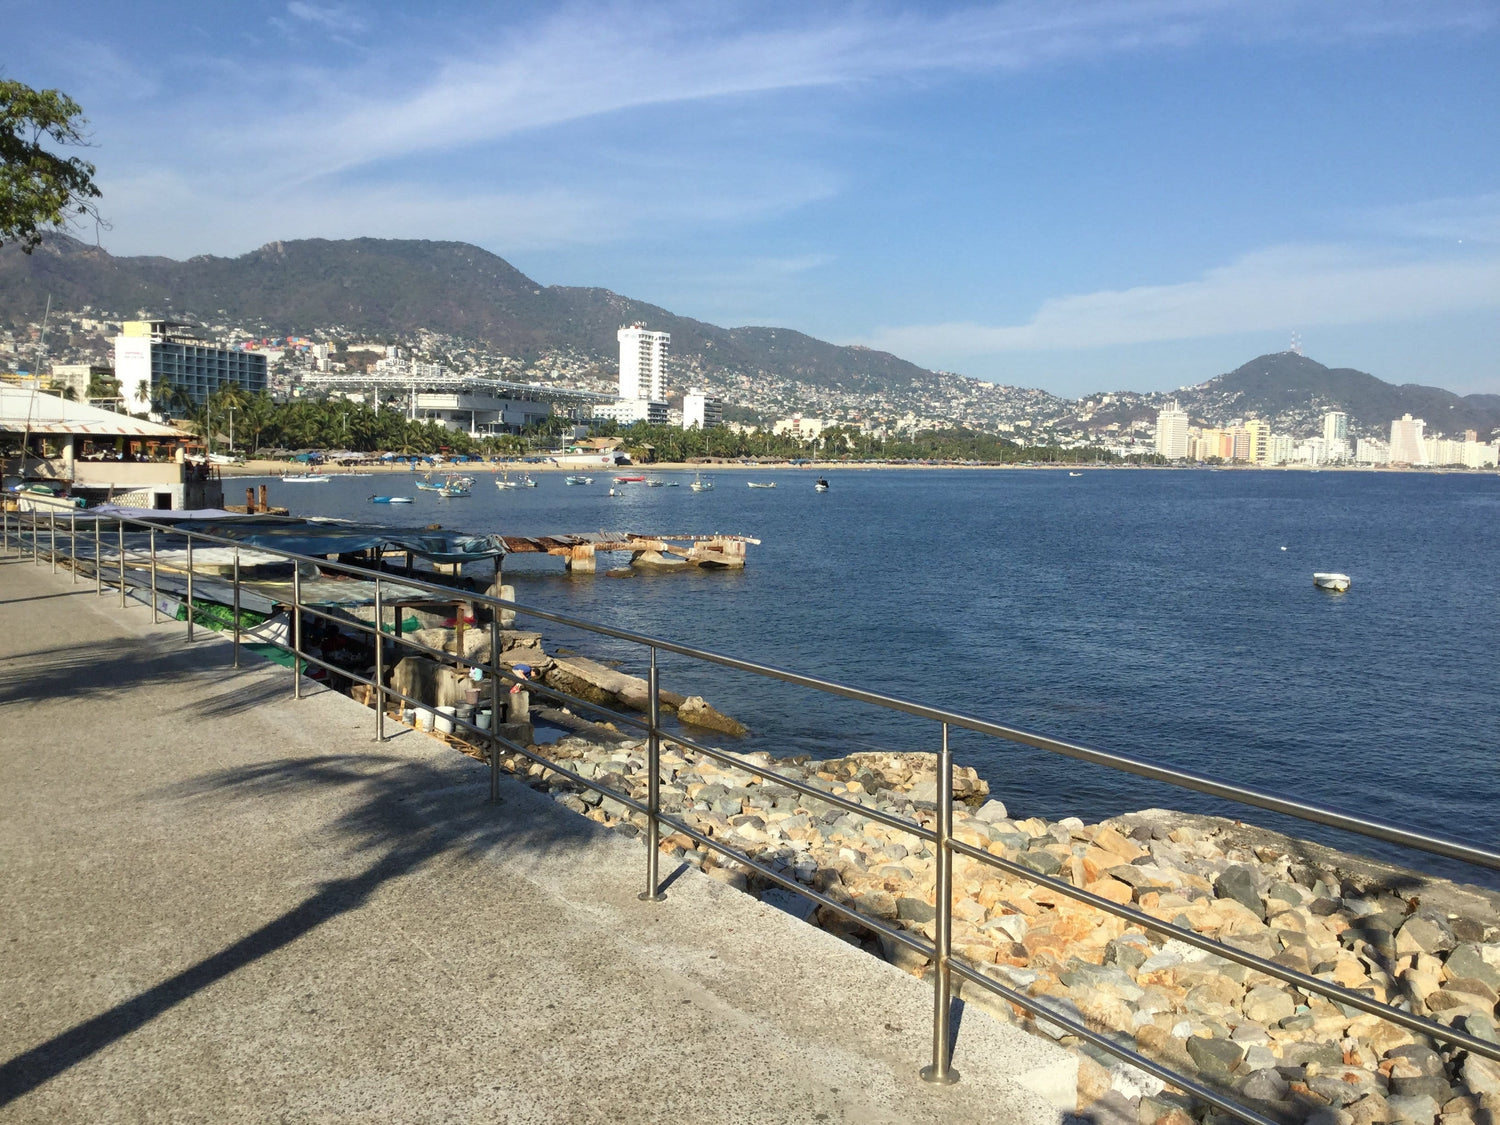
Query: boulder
point(694, 711)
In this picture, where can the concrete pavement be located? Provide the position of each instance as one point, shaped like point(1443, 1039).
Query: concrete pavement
point(220, 904)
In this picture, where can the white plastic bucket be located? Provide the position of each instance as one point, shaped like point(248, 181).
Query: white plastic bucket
point(443, 724)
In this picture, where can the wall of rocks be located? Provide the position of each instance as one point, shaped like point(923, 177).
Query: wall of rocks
point(1290, 1056)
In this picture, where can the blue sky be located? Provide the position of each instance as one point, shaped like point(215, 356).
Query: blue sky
point(1078, 196)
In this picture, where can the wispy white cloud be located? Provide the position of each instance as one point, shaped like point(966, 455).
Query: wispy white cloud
point(331, 17)
point(1469, 219)
point(1275, 289)
point(233, 213)
point(588, 62)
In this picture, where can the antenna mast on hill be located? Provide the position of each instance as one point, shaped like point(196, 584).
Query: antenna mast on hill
point(1296, 348)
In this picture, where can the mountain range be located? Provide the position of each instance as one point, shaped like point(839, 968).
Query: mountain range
point(367, 287)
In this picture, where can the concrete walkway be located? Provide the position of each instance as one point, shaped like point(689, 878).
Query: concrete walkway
point(219, 904)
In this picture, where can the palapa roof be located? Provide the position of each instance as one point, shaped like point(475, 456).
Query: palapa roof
point(23, 409)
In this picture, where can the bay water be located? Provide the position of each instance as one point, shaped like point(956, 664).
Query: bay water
point(1168, 615)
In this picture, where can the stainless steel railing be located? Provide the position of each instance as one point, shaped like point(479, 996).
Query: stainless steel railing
point(22, 530)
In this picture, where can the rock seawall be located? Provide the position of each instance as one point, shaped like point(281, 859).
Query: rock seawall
point(1428, 947)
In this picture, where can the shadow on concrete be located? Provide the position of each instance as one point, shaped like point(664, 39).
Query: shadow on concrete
point(404, 815)
point(83, 671)
point(37, 598)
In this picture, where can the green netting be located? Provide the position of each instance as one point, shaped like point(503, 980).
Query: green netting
point(212, 615)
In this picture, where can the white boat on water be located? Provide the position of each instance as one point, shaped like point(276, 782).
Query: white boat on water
point(820, 485)
point(306, 478)
point(701, 485)
point(578, 480)
point(761, 483)
point(1328, 580)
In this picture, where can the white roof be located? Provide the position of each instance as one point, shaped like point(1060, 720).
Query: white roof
point(23, 409)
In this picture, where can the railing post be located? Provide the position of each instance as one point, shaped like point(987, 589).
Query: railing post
point(73, 543)
point(940, 1072)
point(98, 558)
point(122, 564)
point(190, 587)
point(36, 540)
point(652, 893)
point(155, 614)
point(379, 670)
point(296, 630)
point(236, 607)
point(495, 701)
point(52, 539)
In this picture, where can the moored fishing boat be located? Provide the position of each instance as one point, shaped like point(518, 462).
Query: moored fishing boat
point(578, 480)
point(761, 484)
point(1332, 581)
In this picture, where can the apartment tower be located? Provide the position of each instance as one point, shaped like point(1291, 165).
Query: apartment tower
point(643, 362)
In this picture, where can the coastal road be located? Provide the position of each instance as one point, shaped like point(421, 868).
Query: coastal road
point(221, 904)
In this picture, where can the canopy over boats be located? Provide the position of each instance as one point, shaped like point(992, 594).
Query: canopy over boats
point(336, 537)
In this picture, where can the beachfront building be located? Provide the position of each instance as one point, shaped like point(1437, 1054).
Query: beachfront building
point(478, 414)
point(804, 429)
point(83, 452)
point(643, 367)
point(1407, 447)
point(1336, 435)
point(1172, 432)
point(628, 411)
point(1371, 451)
point(1469, 453)
point(163, 368)
point(1258, 438)
point(700, 410)
point(643, 361)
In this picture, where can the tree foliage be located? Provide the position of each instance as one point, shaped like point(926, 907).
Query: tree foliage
point(333, 424)
point(40, 190)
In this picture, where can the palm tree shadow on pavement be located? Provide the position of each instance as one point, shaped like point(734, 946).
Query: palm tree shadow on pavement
point(405, 814)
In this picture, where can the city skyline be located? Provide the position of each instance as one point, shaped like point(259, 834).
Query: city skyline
point(1097, 196)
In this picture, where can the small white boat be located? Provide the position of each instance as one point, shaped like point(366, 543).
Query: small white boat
point(1327, 580)
point(701, 485)
point(820, 485)
point(1075, 474)
point(761, 483)
point(306, 478)
point(578, 480)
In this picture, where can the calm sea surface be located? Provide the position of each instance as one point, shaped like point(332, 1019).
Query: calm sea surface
point(1163, 614)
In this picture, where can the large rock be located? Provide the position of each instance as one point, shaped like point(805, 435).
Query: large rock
point(695, 711)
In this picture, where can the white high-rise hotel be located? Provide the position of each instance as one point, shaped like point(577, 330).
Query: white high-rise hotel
point(643, 360)
point(1172, 432)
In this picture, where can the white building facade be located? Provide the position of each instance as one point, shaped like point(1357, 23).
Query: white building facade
point(700, 410)
point(643, 362)
point(1407, 446)
point(1172, 432)
point(152, 355)
point(628, 411)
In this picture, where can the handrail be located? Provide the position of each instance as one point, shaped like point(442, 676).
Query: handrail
point(940, 835)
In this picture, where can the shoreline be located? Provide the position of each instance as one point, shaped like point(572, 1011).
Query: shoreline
point(262, 467)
